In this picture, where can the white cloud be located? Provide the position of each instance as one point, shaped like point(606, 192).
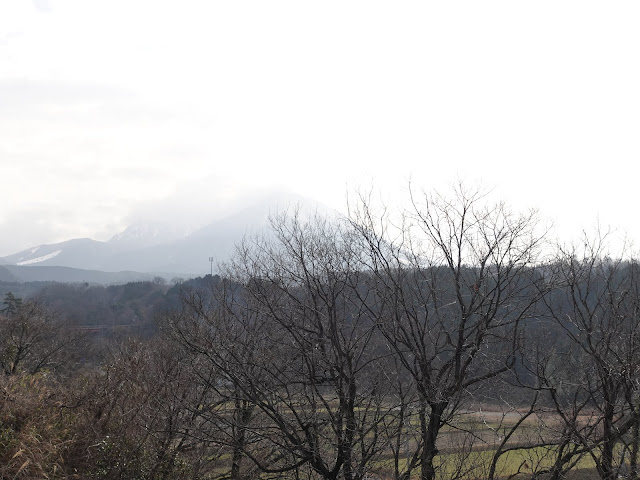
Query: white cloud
point(42, 5)
point(538, 99)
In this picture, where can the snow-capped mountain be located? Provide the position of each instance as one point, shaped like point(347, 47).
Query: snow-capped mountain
point(77, 253)
point(155, 247)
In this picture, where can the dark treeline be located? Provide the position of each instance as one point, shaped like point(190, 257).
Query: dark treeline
point(360, 348)
point(134, 304)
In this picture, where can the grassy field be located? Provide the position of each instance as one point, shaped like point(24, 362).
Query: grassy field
point(468, 444)
point(474, 465)
point(467, 448)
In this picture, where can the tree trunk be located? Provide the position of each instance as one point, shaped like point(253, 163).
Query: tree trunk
point(635, 431)
point(606, 459)
point(429, 430)
point(350, 429)
point(242, 414)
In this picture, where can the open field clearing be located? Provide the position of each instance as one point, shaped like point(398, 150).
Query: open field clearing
point(468, 446)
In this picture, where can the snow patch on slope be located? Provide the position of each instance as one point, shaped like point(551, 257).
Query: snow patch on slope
point(40, 259)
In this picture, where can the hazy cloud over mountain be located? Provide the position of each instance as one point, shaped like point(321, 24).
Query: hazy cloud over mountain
point(113, 111)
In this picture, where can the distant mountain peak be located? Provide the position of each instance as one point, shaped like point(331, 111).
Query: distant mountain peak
point(147, 234)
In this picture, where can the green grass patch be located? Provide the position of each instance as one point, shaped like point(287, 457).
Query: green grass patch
point(475, 464)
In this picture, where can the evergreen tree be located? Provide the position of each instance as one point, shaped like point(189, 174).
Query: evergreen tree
point(12, 304)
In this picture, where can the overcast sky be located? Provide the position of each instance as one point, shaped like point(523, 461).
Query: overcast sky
point(112, 111)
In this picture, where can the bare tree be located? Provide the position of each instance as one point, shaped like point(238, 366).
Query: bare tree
point(452, 286)
point(592, 379)
point(33, 338)
point(224, 346)
point(301, 348)
point(144, 413)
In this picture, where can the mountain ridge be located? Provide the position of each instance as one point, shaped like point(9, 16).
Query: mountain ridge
point(151, 247)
